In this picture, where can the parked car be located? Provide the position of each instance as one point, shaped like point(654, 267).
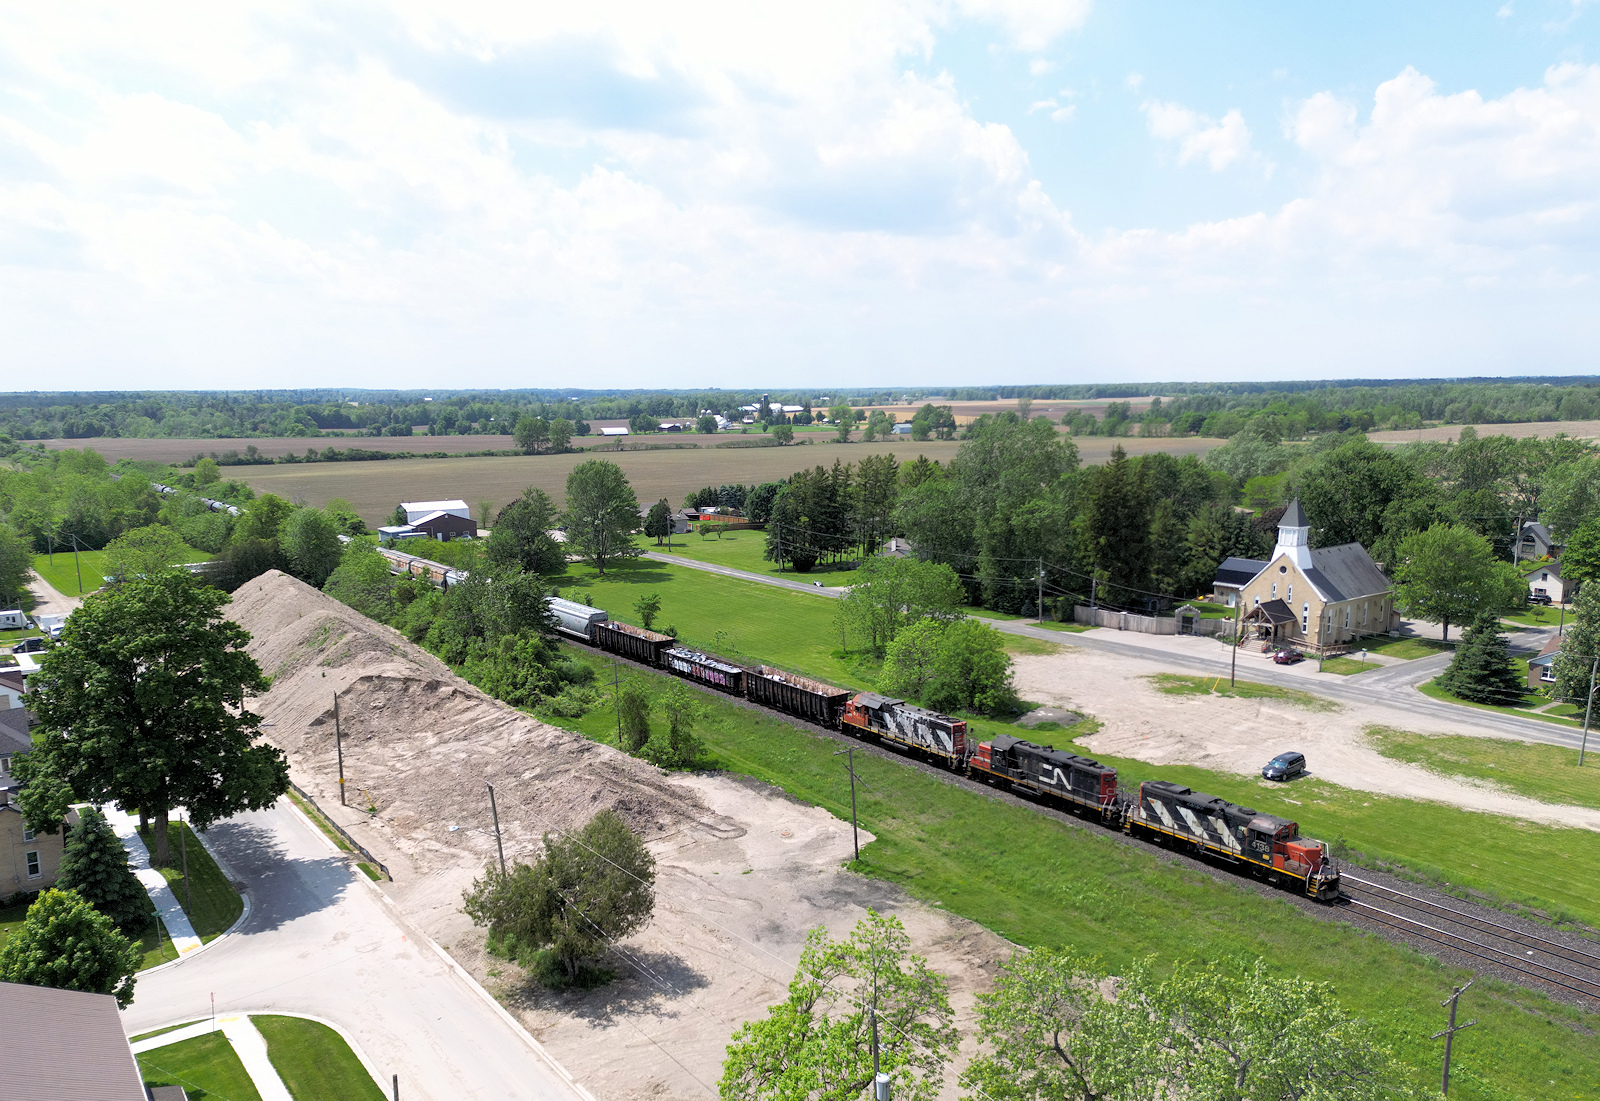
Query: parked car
point(1287, 656)
point(1285, 766)
point(1539, 598)
point(34, 645)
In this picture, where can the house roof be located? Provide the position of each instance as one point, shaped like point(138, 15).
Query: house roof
point(14, 736)
point(1547, 656)
point(433, 506)
point(432, 516)
point(12, 679)
point(1295, 517)
point(1538, 531)
point(1273, 611)
point(1345, 572)
point(613, 431)
point(1238, 571)
point(77, 1050)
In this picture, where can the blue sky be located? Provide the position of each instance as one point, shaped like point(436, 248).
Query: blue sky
point(892, 192)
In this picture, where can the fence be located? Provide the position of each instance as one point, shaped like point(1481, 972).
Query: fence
point(341, 831)
point(1152, 625)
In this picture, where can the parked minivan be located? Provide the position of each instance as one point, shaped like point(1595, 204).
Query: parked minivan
point(1285, 766)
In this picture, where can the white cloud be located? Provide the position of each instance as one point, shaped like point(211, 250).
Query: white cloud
point(1219, 143)
point(1031, 24)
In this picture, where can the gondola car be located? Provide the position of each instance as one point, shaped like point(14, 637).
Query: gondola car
point(810, 699)
point(632, 642)
point(706, 669)
point(1048, 772)
point(1271, 846)
point(916, 728)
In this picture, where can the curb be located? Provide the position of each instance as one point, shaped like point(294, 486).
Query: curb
point(535, 1046)
point(244, 915)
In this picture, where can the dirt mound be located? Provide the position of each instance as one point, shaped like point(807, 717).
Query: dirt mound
point(419, 742)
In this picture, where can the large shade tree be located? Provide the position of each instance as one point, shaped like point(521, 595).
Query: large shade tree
point(1448, 574)
point(142, 704)
point(66, 943)
point(602, 513)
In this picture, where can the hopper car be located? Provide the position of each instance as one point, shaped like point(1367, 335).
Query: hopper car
point(1159, 811)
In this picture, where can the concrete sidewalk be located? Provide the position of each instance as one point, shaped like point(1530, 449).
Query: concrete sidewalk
point(168, 908)
point(247, 1043)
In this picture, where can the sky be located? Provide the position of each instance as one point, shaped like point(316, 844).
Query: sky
point(836, 193)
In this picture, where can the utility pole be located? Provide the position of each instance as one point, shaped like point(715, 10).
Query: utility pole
point(77, 564)
point(1588, 709)
point(496, 814)
point(1039, 602)
point(183, 847)
point(1449, 1034)
point(850, 766)
point(338, 747)
point(1094, 587)
point(1238, 641)
point(616, 696)
point(1516, 541)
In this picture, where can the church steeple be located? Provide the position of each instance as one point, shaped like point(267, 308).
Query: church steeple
point(1294, 536)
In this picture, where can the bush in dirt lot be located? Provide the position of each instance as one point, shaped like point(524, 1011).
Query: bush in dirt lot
point(678, 748)
point(557, 915)
point(633, 711)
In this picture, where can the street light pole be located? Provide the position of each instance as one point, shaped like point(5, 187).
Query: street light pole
point(1238, 640)
point(338, 747)
point(1588, 709)
point(496, 815)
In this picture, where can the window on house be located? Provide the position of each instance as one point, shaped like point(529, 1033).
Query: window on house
point(1547, 673)
point(5, 766)
point(1274, 590)
point(1291, 592)
point(27, 834)
point(1347, 619)
point(34, 870)
point(1305, 618)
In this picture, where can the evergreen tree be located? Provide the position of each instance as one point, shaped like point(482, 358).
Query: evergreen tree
point(1481, 671)
point(96, 866)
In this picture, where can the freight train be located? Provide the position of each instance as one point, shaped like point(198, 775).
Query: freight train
point(1161, 812)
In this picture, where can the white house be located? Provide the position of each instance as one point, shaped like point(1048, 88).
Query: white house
point(418, 510)
point(1547, 581)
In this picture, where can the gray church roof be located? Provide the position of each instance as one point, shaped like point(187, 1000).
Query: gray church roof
point(1295, 517)
point(1345, 573)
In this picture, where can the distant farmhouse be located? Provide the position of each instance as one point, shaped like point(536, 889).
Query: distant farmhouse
point(441, 520)
point(1314, 599)
point(1536, 542)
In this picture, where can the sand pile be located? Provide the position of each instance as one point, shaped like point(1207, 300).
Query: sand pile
point(420, 742)
point(743, 871)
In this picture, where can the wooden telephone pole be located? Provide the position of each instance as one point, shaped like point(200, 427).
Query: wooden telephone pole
point(1449, 1034)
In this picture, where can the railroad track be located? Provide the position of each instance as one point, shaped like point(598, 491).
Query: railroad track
point(1572, 969)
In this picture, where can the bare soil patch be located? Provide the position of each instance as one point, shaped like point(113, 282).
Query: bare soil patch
point(1240, 735)
point(743, 871)
point(1585, 430)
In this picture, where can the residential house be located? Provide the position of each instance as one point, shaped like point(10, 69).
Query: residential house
point(11, 689)
point(1541, 668)
point(1316, 598)
point(1536, 542)
point(1547, 581)
point(65, 1045)
point(896, 548)
point(29, 861)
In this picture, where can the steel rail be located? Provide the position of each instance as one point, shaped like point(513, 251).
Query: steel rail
point(1505, 932)
point(1539, 971)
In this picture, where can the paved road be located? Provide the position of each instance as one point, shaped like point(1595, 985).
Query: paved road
point(1393, 686)
point(319, 942)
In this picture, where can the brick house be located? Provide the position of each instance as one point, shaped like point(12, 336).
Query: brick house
point(1313, 598)
point(29, 861)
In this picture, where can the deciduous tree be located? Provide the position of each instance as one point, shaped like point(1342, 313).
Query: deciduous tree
point(521, 535)
point(602, 514)
point(658, 521)
point(590, 887)
point(887, 594)
point(66, 943)
point(1580, 559)
point(816, 1044)
point(143, 705)
point(363, 581)
point(1449, 574)
point(310, 541)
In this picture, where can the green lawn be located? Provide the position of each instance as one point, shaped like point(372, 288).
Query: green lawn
point(153, 942)
point(1546, 772)
point(216, 905)
point(62, 573)
point(741, 619)
point(1027, 644)
point(314, 1061)
point(206, 1067)
point(743, 550)
point(1403, 648)
point(1177, 684)
point(9, 637)
point(1535, 615)
point(1050, 883)
point(1347, 666)
point(1524, 709)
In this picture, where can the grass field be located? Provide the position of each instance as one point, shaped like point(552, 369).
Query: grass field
point(216, 905)
point(314, 1061)
point(205, 1066)
point(1524, 709)
point(374, 488)
point(62, 572)
point(1404, 649)
point(1177, 684)
point(1536, 616)
point(1050, 883)
point(1347, 666)
point(1546, 772)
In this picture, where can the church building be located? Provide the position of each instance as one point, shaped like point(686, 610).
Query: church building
point(1312, 599)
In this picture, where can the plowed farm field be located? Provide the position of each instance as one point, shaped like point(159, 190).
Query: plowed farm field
point(374, 488)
